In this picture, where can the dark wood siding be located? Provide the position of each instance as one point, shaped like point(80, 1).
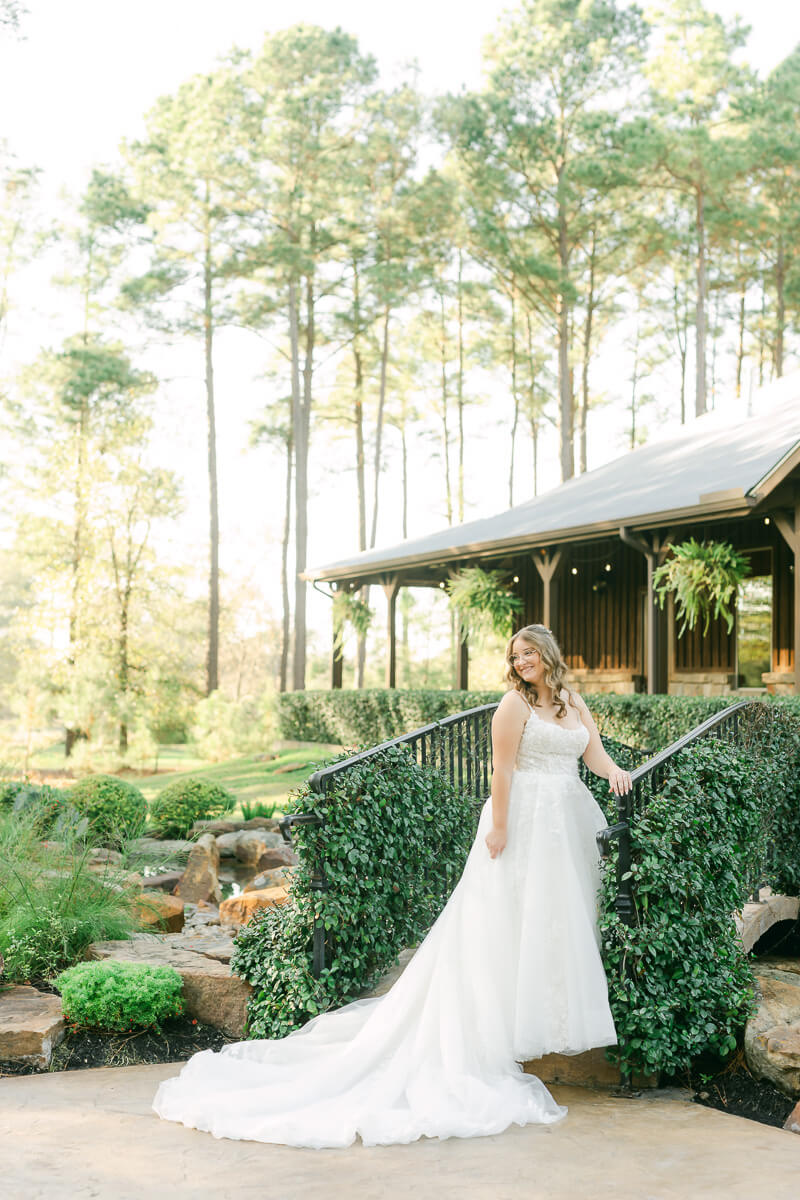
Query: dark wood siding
point(599, 612)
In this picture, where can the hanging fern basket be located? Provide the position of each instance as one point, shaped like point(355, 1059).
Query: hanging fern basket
point(483, 601)
point(704, 578)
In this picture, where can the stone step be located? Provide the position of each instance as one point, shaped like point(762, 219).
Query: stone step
point(31, 1025)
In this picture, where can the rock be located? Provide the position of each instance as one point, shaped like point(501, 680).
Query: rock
point(271, 824)
point(278, 877)
point(31, 1025)
point(756, 919)
point(200, 880)
point(163, 912)
point(211, 992)
point(792, 1122)
point(215, 827)
point(101, 854)
point(227, 843)
point(772, 1036)
point(276, 856)
point(252, 843)
point(161, 849)
point(200, 916)
point(237, 910)
point(167, 881)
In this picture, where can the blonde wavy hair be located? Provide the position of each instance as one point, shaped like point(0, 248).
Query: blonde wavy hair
point(555, 669)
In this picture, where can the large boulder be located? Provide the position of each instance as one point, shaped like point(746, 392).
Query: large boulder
point(251, 844)
point(160, 911)
point(212, 993)
point(772, 1036)
point(31, 1025)
point(277, 877)
point(200, 880)
point(237, 910)
point(227, 843)
point(276, 856)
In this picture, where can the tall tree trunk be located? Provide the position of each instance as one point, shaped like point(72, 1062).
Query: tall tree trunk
point(287, 527)
point(714, 340)
point(361, 484)
point(762, 335)
point(460, 386)
point(566, 414)
point(123, 666)
point(740, 339)
point(533, 416)
point(780, 306)
point(212, 654)
point(587, 353)
point(514, 392)
point(379, 423)
point(445, 429)
point(700, 312)
point(635, 378)
point(681, 326)
point(300, 496)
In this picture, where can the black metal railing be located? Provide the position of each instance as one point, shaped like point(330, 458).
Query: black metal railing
point(459, 747)
point(647, 780)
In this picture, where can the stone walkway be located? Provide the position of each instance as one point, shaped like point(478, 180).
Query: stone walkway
point(92, 1134)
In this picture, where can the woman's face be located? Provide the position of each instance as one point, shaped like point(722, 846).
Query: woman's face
point(527, 661)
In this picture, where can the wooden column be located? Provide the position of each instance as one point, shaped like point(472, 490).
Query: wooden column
point(337, 658)
point(656, 628)
point(546, 563)
point(462, 663)
point(391, 587)
point(789, 525)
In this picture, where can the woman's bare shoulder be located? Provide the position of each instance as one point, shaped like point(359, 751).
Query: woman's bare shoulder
point(513, 704)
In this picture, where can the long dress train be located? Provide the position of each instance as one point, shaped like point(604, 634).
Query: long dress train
point(510, 970)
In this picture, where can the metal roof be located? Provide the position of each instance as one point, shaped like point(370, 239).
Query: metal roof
point(704, 470)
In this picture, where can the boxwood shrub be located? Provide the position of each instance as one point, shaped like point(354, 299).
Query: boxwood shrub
point(120, 995)
point(116, 810)
point(181, 803)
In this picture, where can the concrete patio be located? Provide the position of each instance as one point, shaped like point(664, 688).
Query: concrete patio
point(92, 1134)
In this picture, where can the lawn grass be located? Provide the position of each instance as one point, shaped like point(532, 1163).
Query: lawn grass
point(251, 778)
point(267, 777)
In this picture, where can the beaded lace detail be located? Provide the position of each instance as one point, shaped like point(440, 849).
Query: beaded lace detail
point(550, 749)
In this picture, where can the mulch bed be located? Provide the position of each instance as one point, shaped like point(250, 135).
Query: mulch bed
point(734, 1090)
point(178, 1039)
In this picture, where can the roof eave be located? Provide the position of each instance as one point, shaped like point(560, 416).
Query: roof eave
point(728, 507)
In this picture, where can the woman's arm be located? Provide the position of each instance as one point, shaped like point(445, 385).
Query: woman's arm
point(595, 757)
point(507, 726)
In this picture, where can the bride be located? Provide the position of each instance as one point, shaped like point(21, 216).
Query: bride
point(510, 970)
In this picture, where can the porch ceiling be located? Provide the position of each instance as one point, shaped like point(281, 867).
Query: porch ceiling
point(704, 471)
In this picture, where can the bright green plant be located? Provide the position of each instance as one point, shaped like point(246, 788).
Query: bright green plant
point(483, 601)
point(116, 810)
point(394, 843)
point(350, 609)
point(258, 808)
point(120, 995)
point(52, 906)
point(705, 578)
point(20, 796)
point(181, 803)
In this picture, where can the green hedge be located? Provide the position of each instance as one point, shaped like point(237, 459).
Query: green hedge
point(375, 715)
point(116, 810)
point(394, 844)
point(368, 716)
point(120, 996)
point(725, 821)
point(184, 801)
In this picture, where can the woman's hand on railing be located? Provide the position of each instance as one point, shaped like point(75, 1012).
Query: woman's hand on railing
point(496, 840)
point(619, 781)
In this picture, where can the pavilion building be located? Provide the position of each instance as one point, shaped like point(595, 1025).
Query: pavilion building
point(582, 556)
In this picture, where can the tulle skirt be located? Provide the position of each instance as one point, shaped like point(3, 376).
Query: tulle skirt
point(510, 971)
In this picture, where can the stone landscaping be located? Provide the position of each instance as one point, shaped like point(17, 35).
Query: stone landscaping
point(192, 930)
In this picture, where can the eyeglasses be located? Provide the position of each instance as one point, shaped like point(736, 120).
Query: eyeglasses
point(525, 657)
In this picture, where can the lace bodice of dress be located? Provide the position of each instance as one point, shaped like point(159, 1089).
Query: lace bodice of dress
point(550, 749)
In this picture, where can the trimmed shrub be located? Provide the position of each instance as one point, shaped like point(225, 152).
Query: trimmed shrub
point(394, 843)
point(369, 715)
point(120, 995)
point(180, 804)
point(20, 796)
point(116, 810)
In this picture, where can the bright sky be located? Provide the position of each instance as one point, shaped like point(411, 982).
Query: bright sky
point(81, 79)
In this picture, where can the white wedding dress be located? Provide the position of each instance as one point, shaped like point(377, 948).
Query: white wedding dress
point(510, 971)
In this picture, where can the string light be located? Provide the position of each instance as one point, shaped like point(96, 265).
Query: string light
point(516, 579)
point(574, 571)
point(608, 566)
point(766, 520)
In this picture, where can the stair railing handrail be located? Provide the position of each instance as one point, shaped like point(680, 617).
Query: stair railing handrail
point(630, 803)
